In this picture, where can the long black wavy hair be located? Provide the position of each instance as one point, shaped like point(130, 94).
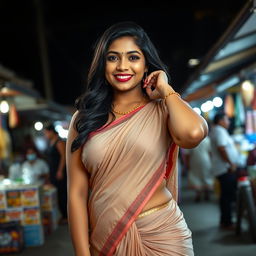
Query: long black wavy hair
point(95, 104)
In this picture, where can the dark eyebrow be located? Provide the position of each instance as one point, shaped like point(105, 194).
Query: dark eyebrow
point(130, 52)
point(118, 53)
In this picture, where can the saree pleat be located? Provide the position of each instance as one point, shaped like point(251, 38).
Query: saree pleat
point(126, 161)
point(161, 233)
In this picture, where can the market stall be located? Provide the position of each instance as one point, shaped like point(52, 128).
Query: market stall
point(23, 111)
point(225, 80)
point(28, 212)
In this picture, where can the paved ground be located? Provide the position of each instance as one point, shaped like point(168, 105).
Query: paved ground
point(202, 219)
point(56, 244)
point(208, 239)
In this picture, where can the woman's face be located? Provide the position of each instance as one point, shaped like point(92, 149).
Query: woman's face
point(125, 64)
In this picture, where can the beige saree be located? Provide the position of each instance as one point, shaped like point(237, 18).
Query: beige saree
point(127, 160)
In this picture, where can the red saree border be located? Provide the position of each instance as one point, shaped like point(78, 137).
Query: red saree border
point(135, 208)
point(119, 120)
point(132, 212)
point(170, 165)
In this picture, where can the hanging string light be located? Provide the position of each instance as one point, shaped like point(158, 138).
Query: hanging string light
point(4, 107)
point(247, 92)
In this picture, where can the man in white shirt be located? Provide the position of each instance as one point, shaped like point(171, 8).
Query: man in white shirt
point(34, 169)
point(225, 158)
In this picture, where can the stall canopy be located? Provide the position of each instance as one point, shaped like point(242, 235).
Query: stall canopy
point(231, 60)
point(27, 100)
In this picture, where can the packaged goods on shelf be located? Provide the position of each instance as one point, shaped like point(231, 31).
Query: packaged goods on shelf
point(33, 206)
point(31, 216)
point(30, 197)
point(50, 221)
point(13, 198)
point(14, 214)
point(49, 209)
point(2, 200)
point(49, 198)
point(11, 238)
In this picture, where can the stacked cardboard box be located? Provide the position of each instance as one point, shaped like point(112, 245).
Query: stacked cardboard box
point(22, 204)
point(49, 209)
point(11, 238)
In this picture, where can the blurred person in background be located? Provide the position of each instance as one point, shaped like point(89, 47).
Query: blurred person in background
point(28, 142)
point(34, 170)
point(251, 157)
point(198, 162)
point(225, 158)
point(56, 158)
point(15, 172)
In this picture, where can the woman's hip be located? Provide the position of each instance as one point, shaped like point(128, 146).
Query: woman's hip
point(166, 217)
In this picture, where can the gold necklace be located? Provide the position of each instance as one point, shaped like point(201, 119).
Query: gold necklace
point(127, 112)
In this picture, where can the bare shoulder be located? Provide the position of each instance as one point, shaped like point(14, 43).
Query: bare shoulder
point(73, 119)
point(71, 128)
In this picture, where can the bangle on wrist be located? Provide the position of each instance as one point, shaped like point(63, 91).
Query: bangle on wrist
point(171, 93)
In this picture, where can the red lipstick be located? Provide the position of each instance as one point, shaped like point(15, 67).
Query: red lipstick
point(123, 77)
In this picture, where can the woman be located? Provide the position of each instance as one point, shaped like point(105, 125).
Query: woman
point(122, 148)
point(57, 162)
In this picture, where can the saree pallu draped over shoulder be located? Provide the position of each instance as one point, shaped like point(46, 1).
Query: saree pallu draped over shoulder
point(126, 161)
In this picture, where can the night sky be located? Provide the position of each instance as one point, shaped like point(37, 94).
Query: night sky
point(179, 29)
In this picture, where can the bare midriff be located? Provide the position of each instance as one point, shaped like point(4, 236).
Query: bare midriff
point(161, 196)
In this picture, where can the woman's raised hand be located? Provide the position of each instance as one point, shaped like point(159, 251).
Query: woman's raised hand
point(156, 85)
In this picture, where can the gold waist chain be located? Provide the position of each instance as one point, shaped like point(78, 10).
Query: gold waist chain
point(155, 209)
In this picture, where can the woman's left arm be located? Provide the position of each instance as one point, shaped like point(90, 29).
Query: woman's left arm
point(186, 127)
